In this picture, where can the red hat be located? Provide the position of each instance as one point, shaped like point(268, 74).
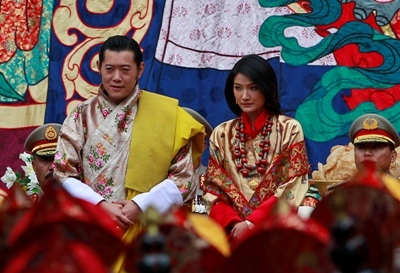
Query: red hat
point(13, 208)
point(364, 212)
point(182, 239)
point(69, 223)
point(55, 254)
point(301, 245)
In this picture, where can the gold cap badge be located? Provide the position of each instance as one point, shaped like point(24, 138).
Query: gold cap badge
point(50, 133)
point(370, 124)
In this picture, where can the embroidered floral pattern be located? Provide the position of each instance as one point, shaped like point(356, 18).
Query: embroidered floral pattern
point(181, 154)
point(107, 138)
point(76, 112)
point(185, 190)
point(60, 162)
point(97, 157)
point(104, 186)
point(105, 111)
point(289, 196)
point(123, 119)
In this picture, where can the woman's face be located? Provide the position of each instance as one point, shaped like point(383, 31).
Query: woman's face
point(248, 96)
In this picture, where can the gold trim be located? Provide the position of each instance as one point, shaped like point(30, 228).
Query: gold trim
point(47, 152)
point(46, 145)
point(373, 138)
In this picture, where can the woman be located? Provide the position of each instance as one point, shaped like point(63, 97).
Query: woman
point(257, 157)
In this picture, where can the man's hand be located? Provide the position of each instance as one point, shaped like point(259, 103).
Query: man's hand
point(115, 211)
point(130, 209)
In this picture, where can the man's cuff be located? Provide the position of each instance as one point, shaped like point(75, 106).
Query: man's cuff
point(162, 197)
point(80, 190)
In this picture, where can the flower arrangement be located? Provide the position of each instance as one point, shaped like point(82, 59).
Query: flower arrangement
point(28, 181)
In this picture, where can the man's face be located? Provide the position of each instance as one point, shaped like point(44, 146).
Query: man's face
point(119, 74)
point(43, 167)
point(379, 154)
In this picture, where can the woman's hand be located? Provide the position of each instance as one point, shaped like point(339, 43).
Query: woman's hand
point(240, 229)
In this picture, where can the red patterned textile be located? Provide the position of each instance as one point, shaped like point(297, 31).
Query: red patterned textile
point(285, 167)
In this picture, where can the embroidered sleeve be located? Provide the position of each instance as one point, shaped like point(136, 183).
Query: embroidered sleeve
point(297, 166)
point(181, 172)
point(68, 156)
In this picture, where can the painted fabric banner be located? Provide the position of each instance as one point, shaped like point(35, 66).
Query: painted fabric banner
point(335, 60)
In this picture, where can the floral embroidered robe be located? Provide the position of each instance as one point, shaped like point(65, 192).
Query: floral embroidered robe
point(233, 198)
point(94, 148)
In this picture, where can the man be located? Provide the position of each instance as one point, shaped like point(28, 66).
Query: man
point(125, 148)
point(375, 140)
point(42, 143)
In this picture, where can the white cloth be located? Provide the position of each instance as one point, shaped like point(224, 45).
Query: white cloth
point(162, 196)
point(305, 211)
point(82, 191)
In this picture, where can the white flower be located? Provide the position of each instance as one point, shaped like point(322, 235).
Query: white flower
point(33, 185)
point(25, 157)
point(9, 177)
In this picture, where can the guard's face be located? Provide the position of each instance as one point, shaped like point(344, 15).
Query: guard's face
point(378, 154)
point(43, 167)
point(119, 74)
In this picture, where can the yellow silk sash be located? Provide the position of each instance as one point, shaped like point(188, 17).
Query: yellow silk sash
point(160, 129)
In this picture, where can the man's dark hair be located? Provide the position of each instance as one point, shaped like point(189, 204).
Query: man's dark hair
point(120, 43)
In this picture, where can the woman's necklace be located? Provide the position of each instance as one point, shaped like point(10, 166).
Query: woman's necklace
point(240, 151)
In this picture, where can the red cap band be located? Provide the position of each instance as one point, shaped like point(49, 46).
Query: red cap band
point(383, 133)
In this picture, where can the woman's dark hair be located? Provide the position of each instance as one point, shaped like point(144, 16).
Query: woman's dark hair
point(262, 74)
point(120, 43)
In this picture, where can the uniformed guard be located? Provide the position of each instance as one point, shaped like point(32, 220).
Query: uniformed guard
point(42, 144)
point(375, 140)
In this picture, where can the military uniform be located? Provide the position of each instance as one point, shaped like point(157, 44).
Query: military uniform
point(42, 143)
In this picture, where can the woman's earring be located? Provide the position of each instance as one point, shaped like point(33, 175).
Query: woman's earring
point(236, 101)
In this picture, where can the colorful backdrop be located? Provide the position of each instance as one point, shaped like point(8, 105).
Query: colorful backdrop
point(335, 60)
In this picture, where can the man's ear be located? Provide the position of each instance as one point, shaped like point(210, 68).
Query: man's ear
point(393, 156)
point(140, 69)
point(98, 66)
point(34, 164)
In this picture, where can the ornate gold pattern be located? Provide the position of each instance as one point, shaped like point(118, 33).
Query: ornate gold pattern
point(50, 133)
point(370, 124)
point(293, 162)
point(253, 185)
